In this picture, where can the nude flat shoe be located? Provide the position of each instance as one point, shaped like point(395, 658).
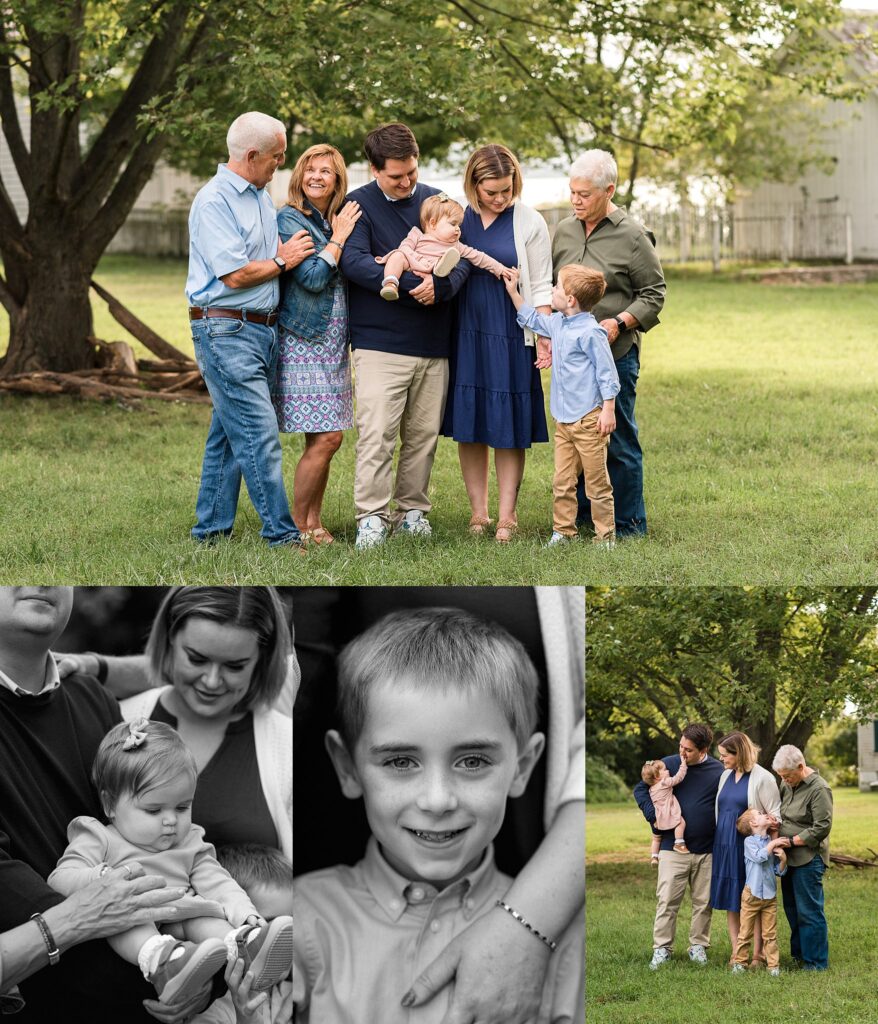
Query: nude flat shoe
point(447, 262)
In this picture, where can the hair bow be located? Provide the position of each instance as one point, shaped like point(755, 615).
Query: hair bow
point(443, 197)
point(136, 733)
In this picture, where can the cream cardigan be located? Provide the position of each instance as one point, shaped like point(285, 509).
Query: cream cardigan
point(762, 791)
point(273, 737)
point(534, 249)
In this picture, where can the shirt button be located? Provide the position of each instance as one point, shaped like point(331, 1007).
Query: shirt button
point(417, 893)
point(434, 926)
point(395, 904)
point(470, 904)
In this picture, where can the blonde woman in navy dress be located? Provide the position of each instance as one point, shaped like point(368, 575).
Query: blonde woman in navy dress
point(495, 396)
point(312, 390)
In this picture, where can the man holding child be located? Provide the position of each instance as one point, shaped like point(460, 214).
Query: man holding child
point(677, 871)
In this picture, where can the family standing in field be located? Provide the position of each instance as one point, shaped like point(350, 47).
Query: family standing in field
point(449, 313)
point(724, 830)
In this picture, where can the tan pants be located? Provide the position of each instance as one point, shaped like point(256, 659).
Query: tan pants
point(753, 910)
point(675, 872)
point(397, 397)
point(580, 446)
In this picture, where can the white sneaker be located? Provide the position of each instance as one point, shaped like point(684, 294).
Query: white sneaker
point(738, 969)
point(774, 971)
point(557, 539)
point(698, 954)
point(415, 524)
point(659, 956)
point(371, 532)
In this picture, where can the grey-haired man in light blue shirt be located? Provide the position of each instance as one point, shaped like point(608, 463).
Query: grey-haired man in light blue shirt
point(235, 260)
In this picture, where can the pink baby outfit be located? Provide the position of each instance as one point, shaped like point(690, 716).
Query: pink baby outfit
point(423, 253)
point(667, 807)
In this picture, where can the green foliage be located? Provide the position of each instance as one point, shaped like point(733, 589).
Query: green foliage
point(602, 784)
point(772, 662)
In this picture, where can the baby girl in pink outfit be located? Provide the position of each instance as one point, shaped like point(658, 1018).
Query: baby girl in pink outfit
point(667, 807)
point(434, 250)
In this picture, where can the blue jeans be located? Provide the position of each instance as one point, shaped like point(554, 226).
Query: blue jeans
point(802, 889)
point(624, 457)
point(237, 361)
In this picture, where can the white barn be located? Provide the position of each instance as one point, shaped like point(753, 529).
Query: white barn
point(867, 755)
point(825, 215)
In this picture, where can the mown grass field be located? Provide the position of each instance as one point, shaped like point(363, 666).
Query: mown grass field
point(757, 407)
point(620, 904)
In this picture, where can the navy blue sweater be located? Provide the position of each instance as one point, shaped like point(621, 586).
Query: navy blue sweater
point(697, 796)
point(405, 327)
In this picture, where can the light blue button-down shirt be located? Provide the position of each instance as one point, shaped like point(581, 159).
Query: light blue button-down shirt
point(583, 371)
point(760, 867)
point(231, 223)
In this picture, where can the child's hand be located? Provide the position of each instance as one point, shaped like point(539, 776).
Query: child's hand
point(510, 279)
point(508, 273)
point(606, 423)
point(254, 919)
point(246, 1008)
point(544, 353)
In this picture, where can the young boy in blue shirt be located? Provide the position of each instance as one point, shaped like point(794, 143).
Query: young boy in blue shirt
point(437, 710)
point(763, 859)
point(583, 398)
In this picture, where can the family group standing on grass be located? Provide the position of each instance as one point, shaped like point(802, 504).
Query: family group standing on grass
point(448, 313)
point(726, 831)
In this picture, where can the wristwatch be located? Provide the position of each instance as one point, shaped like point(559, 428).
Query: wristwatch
point(280, 262)
point(620, 323)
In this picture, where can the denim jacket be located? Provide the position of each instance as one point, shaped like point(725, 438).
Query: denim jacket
point(306, 290)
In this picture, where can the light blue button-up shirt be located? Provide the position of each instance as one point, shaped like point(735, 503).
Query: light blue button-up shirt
point(583, 372)
point(760, 867)
point(231, 223)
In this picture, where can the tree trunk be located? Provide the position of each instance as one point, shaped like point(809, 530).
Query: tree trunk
point(50, 328)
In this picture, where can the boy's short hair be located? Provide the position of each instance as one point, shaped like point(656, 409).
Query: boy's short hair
point(649, 772)
point(585, 284)
point(160, 756)
point(394, 141)
point(700, 734)
point(436, 207)
point(444, 647)
point(744, 824)
point(254, 864)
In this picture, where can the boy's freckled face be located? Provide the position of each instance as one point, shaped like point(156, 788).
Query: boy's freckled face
point(436, 770)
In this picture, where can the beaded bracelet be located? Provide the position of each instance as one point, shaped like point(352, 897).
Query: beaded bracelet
point(48, 938)
point(509, 910)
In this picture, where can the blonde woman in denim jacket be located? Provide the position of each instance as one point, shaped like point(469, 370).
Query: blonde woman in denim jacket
point(312, 388)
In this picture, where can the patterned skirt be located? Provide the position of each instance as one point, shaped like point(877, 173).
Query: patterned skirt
point(312, 389)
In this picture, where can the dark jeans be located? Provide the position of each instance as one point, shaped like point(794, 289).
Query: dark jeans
point(624, 457)
point(803, 904)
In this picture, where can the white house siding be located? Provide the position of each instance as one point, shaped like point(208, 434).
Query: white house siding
point(8, 174)
point(867, 754)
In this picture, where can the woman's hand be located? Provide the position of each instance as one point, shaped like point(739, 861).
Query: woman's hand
point(180, 1013)
point(121, 898)
point(76, 665)
point(497, 968)
point(343, 222)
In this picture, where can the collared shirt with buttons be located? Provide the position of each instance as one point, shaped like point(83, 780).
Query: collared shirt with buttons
point(231, 223)
point(619, 247)
point(51, 681)
point(364, 933)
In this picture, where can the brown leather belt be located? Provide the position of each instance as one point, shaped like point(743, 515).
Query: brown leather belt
point(250, 316)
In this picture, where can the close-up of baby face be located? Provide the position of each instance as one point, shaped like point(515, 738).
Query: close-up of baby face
point(156, 819)
point(435, 771)
point(446, 229)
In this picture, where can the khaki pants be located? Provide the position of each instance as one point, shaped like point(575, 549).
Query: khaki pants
point(753, 910)
point(397, 397)
point(579, 446)
point(675, 872)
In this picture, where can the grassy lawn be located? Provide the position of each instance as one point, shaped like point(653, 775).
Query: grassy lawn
point(757, 409)
point(620, 903)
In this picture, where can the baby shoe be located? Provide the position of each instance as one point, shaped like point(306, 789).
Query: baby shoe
point(446, 263)
point(389, 290)
point(267, 951)
point(176, 978)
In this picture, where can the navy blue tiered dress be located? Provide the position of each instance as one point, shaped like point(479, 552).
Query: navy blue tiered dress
point(727, 877)
point(495, 396)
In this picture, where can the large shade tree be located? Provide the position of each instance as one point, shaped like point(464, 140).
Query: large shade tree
point(112, 86)
point(773, 662)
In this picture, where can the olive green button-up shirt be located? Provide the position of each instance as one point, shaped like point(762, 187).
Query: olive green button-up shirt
point(620, 247)
point(807, 813)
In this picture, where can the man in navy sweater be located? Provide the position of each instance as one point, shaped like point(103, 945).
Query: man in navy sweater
point(400, 349)
point(697, 797)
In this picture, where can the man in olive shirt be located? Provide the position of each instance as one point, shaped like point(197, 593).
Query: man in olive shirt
point(602, 235)
point(806, 820)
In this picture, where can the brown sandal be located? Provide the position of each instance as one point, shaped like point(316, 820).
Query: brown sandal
point(477, 524)
point(508, 527)
point(322, 536)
